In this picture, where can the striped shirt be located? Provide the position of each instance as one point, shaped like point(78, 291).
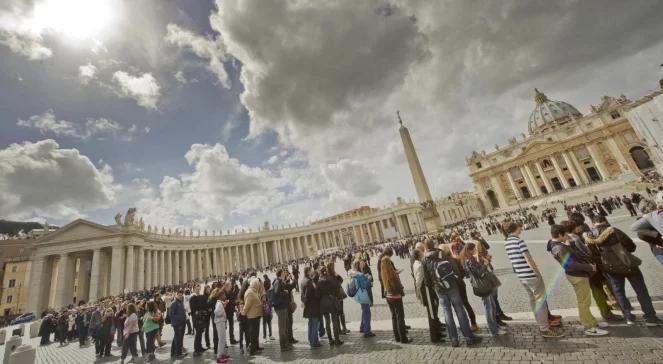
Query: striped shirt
point(515, 247)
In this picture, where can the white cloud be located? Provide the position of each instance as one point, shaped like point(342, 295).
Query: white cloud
point(207, 48)
point(144, 88)
point(47, 123)
point(41, 180)
point(87, 73)
point(24, 43)
point(179, 76)
point(354, 177)
point(93, 127)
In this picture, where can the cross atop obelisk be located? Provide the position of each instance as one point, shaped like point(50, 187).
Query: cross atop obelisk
point(431, 216)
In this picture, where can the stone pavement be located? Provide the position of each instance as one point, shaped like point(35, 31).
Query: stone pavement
point(637, 344)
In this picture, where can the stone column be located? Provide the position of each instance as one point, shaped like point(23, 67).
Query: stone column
point(192, 265)
point(162, 269)
point(252, 260)
point(95, 275)
point(579, 167)
point(560, 173)
point(597, 161)
point(148, 269)
point(514, 187)
point(130, 269)
point(176, 267)
point(155, 268)
point(170, 269)
point(614, 149)
point(571, 168)
point(65, 282)
point(537, 188)
point(117, 270)
point(498, 191)
point(140, 281)
point(40, 274)
point(543, 177)
point(208, 265)
point(83, 291)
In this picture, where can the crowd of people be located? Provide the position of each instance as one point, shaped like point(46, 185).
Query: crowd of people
point(444, 267)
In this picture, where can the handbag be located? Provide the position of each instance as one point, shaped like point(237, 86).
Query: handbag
point(484, 285)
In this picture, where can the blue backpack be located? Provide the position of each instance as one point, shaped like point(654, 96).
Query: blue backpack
point(445, 277)
point(351, 288)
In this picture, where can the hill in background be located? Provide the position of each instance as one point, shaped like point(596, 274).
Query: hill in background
point(13, 227)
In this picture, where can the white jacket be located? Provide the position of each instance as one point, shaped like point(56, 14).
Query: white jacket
point(219, 313)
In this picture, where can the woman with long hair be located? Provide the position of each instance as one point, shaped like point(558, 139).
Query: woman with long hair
point(456, 247)
point(151, 320)
point(394, 292)
point(476, 268)
point(130, 333)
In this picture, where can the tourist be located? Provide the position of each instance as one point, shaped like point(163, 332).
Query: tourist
point(578, 266)
point(649, 227)
point(242, 322)
point(311, 301)
point(362, 283)
point(442, 272)
point(425, 287)
point(253, 311)
point(177, 317)
point(393, 293)
point(456, 246)
point(120, 316)
point(200, 316)
point(220, 320)
point(485, 258)
point(267, 313)
point(211, 305)
point(575, 227)
point(130, 332)
point(106, 334)
point(187, 308)
point(47, 326)
point(341, 315)
point(95, 324)
point(151, 320)
point(81, 326)
point(330, 303)
point(615, 246)
point(231, 291)
point(281, 303)
point(528, 272)
point(478, 270)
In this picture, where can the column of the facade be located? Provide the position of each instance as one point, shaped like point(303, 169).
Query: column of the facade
point(208, 263)
point(130, 269)
point(514, 187)
point(530, 175)
point(176, 267)
point(95, 276)
point(560, 173)
point(170, 269)
point(543, 177)
point(275, 251)
point(497, 187)
point(117, 273)
point(140, 279)
point(597, 161)
point(614, 149)
point(65, 281)
point(148, 269)
point(572, 169)
point(83, 279)
point(155, 268)
point(192, 265)
point(579, 167)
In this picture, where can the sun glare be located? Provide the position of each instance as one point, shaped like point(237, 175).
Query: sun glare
point(79, 19)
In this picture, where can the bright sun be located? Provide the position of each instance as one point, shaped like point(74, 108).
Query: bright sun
point(79, 19)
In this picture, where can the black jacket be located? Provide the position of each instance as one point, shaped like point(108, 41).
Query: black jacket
point(329, 289)
point(574, 262)
point(609, 235)
point(310, 298)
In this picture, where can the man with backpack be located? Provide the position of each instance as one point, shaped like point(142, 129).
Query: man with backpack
point(619, 264)
point(428, 296)
point(279, 298)
point(311, 302)
point(440, 272)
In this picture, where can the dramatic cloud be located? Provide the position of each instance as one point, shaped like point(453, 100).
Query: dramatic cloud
point(24, 43)
point(207, 48)
point(354, 177)
point(144, 89)
point(41, 180)
point(87, 73)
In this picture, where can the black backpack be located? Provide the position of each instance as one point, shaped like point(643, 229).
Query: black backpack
point(617, 260)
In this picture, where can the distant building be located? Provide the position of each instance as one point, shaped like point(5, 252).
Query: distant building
point(15, 263)
point(459, 206)
point(564, 151)
point(646, 117)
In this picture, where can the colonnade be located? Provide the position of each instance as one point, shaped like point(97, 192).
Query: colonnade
point(131, 259)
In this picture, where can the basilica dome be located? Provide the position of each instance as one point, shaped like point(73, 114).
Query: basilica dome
point(548, 111)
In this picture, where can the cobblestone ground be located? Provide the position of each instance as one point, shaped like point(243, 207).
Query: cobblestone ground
point(637, 344)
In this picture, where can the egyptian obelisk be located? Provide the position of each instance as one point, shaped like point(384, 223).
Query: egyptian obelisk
point(431, 216)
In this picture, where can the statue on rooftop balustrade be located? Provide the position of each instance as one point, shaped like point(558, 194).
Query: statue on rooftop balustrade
point(118, 219)
point(129, 217)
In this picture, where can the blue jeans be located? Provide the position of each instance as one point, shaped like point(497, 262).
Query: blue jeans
point(365, 325)
point(637, 281)
point(451, 298)
point(659, 257)
point(313, 327)
point(178, 338)
point(491, 312)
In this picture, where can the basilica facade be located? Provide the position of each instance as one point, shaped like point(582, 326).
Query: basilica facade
point(564, 151)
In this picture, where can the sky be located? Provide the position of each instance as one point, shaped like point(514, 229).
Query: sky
point(221, 115)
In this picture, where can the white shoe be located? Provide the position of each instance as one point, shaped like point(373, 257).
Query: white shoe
point(501, 332)
point(602, 324)
point(595, 332)
point(630, 322)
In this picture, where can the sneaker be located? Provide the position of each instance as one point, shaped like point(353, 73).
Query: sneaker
point(555, 317)
point(502, 323)
point(504, 317)
point(474, 327)
point(369, 334)
point(595, 331)
point(555, 323)
point(455, 344)
point(653, 322)
point(271, 338)
point(552, 334)
point(475, 341)
point(630, 322)
point(602, 324)
point(612, 317)
point(501, 332)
